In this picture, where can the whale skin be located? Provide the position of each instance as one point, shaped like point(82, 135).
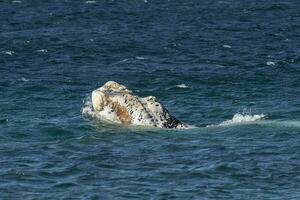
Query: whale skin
point(115, 103)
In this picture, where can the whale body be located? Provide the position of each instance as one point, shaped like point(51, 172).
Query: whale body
point(115, 103)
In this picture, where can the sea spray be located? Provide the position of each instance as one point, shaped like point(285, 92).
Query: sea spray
point(240, 118)
point(87, 108)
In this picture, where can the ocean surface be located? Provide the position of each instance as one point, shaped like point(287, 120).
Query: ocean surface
point(231, 68)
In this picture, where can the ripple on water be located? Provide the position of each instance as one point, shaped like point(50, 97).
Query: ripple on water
point(3, 120)
point(205, 60)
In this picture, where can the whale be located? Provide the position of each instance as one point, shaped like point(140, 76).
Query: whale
point(116, 103)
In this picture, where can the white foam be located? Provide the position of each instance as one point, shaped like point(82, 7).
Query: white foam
point(42, 50)
point(24, 79)
point(227, 46)
point(270, 63)
point(87, 108)
point(91, 2)
point(182, 86)
point(8, 52)
point(16, 1)
point(140, 58)
point(241, 119)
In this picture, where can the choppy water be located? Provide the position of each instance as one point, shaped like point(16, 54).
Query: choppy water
point(231, 68)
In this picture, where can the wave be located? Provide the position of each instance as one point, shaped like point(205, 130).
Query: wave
point(282, 123)
point(241, 119)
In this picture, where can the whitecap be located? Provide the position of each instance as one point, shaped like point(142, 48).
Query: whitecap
point(42, 50)
point(227, 46)
point(8, 52)
point(270, 63)
point(91, 2)
point(241, 119)
point(182, 85)
point(16, 1)
point(24, 79)
point(140, 58)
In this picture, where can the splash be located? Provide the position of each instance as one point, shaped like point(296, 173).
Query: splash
point(87, 108)
point(241, 119)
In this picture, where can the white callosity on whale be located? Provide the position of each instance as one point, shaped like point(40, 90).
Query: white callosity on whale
point(114, 102)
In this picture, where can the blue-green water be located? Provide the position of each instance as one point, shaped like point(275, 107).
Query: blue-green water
point(206, 61)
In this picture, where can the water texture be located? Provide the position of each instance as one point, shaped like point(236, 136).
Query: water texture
point(229, 68)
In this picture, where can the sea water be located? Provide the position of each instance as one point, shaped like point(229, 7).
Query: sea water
point(228, 68)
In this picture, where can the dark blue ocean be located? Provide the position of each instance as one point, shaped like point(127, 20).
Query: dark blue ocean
point(231, 68)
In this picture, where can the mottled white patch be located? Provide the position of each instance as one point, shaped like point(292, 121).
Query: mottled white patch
point(115, 103)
